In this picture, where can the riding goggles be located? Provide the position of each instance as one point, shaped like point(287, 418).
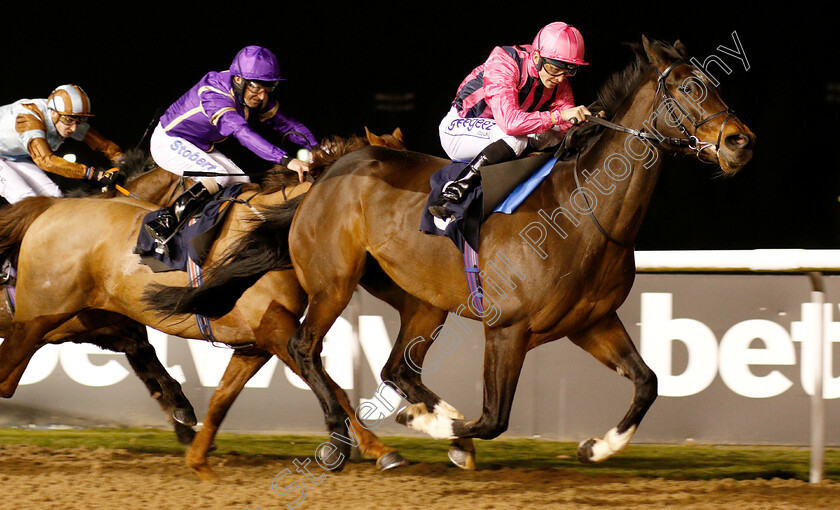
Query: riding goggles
point(259, 86)
point(557, 67)
point(71, 120)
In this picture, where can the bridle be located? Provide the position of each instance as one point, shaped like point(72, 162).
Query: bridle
point(691, 141)
point(671, 103)
point(688, 140)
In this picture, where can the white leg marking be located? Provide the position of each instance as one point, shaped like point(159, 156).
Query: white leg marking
point(447, 410)
point(436, 425)
point(612, 443)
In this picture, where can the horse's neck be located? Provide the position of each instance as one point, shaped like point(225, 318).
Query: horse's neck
point(621, 174)
point(157, 186)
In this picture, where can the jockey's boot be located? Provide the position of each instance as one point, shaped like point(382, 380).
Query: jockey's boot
point(454, 192)
point(184, 207)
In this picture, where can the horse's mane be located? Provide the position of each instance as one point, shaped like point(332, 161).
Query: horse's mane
point(329, 151)
point(614, 92)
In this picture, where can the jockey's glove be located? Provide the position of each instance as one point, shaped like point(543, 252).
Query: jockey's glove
point(108, 177)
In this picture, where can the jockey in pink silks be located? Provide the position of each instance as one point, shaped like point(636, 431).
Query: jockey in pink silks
point(519, 97)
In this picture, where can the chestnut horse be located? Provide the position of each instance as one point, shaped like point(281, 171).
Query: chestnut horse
point(562, 263)
point(109, 283)
point(111, 331)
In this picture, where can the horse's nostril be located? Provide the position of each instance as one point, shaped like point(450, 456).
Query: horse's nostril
point(738, 141)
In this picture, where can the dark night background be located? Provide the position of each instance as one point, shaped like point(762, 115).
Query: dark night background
point(382, 66)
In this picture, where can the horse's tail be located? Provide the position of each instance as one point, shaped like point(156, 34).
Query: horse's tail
point(265, 248)
point(15, 220)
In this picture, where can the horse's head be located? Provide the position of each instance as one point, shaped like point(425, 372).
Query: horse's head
point(688, 106)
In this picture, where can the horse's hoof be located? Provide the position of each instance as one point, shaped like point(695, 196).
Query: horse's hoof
point(390, 460)
point(464, 459)
point(584, 451)
point(184, 434)
point(404, 416)
point(204, 472)
point(334, 458)
point(184, 416)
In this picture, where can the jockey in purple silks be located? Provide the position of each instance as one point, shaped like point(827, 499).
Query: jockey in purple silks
point(519, 97)
point(218, 106)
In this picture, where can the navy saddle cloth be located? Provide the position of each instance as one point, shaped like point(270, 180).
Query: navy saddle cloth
point(501, 183)
point(192, 242)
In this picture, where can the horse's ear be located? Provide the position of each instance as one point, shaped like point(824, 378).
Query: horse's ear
point(655, 53)
point(372, 138)
point(397, 134)
point(681, 49)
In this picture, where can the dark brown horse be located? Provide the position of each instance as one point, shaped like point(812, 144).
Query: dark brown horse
point(550, 271)
point(91, 269)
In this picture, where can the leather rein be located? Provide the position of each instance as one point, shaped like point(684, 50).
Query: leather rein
point(688, 140)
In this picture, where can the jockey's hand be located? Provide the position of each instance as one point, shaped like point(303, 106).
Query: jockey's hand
point(298, 166)
point(109, 177)
point(578, 112)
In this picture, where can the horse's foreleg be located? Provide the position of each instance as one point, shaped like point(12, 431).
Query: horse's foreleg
point(420, 326)
point(305, 347)
point(504, 353)
point(242, 366)
point(610, 344)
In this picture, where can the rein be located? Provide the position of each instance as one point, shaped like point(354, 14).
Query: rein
point(690, 140)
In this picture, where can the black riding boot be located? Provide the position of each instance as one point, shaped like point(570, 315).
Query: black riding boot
point(186, 205)
point(455, 191)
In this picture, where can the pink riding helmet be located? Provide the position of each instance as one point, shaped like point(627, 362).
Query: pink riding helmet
point(560, 41)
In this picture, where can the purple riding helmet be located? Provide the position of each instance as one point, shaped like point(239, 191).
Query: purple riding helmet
point(255, 63)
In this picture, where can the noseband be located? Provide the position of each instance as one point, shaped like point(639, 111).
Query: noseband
point(691, 141)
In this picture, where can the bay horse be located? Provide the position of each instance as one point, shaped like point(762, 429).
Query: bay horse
point(91, 268)
point(562, 264)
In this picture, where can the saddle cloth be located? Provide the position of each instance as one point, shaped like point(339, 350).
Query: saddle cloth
point(503, 187)
point(192, 242)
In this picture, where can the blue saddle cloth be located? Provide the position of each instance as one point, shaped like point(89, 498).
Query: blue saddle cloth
point(192, 242)
point(469, 213)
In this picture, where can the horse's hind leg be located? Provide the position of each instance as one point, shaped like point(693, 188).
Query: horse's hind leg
point(369, 445)
point(132, 340)
point(244, 363)
point(610, 344)
point(23, 340)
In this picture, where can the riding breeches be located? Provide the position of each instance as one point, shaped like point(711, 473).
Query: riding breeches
point(23, 178)
point(177, 155)
point(462, 139)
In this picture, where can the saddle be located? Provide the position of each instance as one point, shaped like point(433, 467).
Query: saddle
point(512, 180)
point(194, 238)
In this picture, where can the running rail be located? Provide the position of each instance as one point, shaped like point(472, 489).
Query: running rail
point(810, 262)
point(726, 261)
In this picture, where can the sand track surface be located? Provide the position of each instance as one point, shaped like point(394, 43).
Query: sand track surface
point(33, 477)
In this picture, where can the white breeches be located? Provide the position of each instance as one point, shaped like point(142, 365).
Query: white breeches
point(176, 155)
point(463, 139)
point(23, 178)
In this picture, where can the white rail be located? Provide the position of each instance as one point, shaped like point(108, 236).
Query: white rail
point(785, 260)
point(812, 262)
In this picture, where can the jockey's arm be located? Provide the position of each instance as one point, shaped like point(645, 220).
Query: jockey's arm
point(43, 156)
point(97, 142)
point(259, 145)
